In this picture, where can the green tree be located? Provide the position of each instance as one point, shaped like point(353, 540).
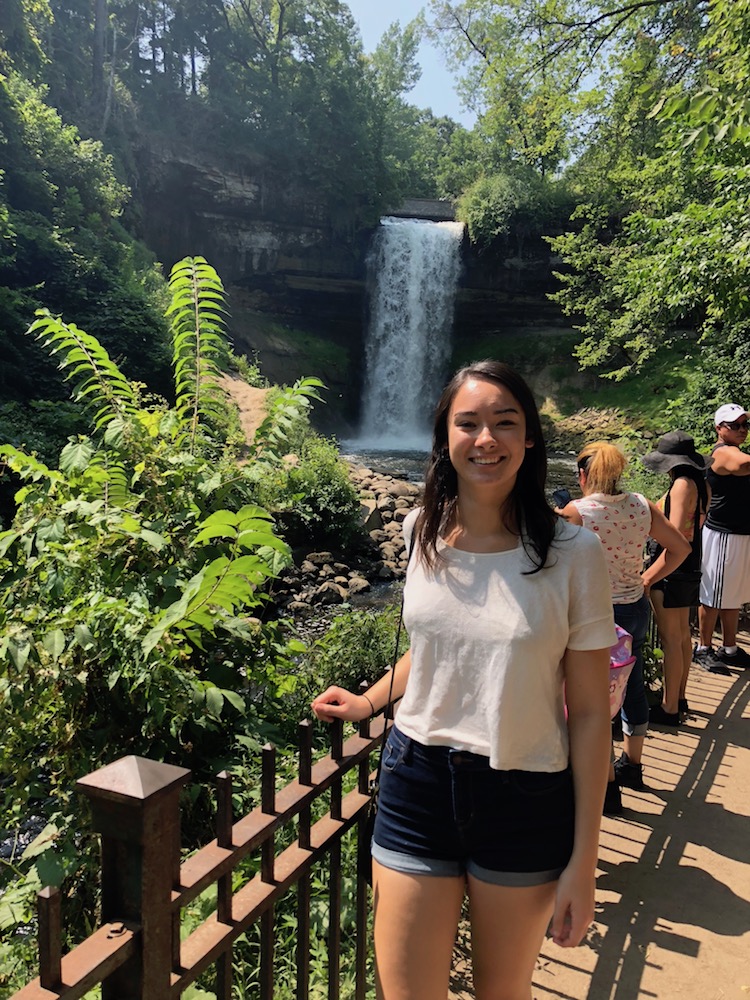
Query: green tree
point(62, 246)
point(517, 75)
point(674, 265)
point(22, 24)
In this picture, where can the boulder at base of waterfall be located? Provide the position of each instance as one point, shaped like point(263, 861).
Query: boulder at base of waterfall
point(298, 606)
point(320, 558)
point(330, 593)
point(370, 516)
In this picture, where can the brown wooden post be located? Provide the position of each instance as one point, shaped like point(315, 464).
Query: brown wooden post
point(50, 938)
point(135, 808)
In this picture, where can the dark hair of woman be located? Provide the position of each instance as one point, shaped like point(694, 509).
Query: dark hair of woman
point(527, 511)
point(697, 476)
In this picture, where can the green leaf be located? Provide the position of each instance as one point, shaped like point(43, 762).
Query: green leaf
point(19, 650)
point(42, 842)
point(76, 455)
point(153, 538)
point(235, 700)
point(214, 702)
point(83, 636)
point(54, 643)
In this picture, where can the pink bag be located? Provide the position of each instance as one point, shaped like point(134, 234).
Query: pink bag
point(621, 662)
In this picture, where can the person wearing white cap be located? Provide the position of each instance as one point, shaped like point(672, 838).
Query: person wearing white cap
point(725, 580)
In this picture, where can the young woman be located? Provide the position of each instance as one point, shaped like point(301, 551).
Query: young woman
point(486, 787)
point(623, 522)
point(685, 505)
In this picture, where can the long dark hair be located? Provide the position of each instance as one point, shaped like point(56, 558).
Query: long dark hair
point(527, 510)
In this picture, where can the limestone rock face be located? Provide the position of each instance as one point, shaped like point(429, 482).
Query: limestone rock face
point(283, 258)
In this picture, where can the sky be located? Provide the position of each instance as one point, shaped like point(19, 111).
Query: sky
point(436, 88)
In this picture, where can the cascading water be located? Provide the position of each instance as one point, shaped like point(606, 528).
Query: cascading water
point(414, 268)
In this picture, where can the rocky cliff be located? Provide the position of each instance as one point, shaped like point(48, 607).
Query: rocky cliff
point(298, 284)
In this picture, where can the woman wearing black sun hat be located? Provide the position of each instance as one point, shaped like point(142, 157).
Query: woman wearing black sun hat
point(684, 504)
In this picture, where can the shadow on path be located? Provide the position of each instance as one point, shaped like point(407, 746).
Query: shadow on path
point(673, 896)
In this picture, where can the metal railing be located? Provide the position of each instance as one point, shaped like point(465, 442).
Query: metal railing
point(137, 953)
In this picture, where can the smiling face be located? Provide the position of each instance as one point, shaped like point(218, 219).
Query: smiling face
point(487, 438)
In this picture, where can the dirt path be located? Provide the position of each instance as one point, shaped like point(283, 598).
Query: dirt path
point(673, 897)
point(251, 403)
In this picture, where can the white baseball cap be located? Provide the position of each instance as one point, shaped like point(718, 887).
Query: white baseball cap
point(727, 413)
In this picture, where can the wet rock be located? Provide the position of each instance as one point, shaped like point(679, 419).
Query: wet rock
point(298, 606)
point(320, 558)
point(370, 515)
point(331, 593)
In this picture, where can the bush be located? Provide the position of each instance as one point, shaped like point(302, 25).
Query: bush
point(357, 647)
point(314, 501)
point(130, 578)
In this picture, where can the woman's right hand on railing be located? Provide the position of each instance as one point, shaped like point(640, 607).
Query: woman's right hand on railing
point(338, 703)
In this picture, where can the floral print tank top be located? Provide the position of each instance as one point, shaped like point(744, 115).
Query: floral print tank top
point(622, 521)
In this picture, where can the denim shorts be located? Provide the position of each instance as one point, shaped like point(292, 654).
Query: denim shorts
point(634, 619)
point(447, 812)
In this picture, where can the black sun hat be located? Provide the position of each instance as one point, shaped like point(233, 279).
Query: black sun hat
point(673, 449)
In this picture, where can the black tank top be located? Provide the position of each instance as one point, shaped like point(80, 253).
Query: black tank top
point(730, 502)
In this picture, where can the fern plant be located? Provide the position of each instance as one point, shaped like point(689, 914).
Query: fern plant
point(99, 383)
point(199, 343)
point(134, 577)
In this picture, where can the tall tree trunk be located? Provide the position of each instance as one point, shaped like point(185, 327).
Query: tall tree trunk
point(111, 86)
point(97, 62)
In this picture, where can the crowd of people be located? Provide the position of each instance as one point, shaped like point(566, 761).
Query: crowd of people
point(499, 764)
point(696, 539)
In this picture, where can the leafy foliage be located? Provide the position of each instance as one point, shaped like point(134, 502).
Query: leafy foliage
point(199, 343)
point(62, 247)
point(286, 421)
point(678, 259)
point(133, 586)
point(312, 496)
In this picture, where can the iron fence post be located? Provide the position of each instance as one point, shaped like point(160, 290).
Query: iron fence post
point(135, 809)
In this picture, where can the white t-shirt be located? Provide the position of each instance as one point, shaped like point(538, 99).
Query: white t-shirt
point(622, 522)
point(487, 645)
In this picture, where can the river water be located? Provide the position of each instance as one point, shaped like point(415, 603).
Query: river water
point(410, 465)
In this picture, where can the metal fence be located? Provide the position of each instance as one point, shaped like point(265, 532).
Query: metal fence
point(137, 953)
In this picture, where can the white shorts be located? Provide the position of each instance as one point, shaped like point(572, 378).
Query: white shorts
point(725, 579)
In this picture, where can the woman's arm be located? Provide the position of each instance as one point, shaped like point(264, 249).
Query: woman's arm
point(587, 699)
point(338, 703)
point(570, 513)
point(676, 547)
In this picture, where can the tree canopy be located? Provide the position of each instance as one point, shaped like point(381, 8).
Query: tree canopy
point(635, 114)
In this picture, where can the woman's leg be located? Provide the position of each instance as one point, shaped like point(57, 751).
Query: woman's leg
point(634, 618)
point(416, 919)
point(674, 626)
point(508, 925)
point(687, 658)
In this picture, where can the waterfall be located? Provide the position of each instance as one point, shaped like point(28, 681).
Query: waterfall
point(413, 267)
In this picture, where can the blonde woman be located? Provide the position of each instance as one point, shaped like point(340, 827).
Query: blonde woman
point(623, 521)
